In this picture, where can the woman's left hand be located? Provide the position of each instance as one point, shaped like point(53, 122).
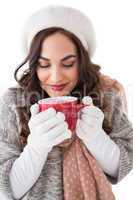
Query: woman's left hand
point(90, 120)
point(89, 130)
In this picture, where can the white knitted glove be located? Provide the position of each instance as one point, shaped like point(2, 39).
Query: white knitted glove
point(91, 119)
point(102, 147)
point(47, 128)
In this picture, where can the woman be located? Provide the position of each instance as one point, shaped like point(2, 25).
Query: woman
point(33, 163)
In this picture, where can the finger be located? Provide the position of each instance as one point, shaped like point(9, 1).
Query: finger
point(55, 132)
point(54, 125)
point(89, 109)
point(77, 124)
point(90, 119)
point(43, 116)
point(92, 111)
point(79, 132)
point(84, 127)
point(65, 135)
point(87, 100)
point(34, 109)
point(60, 115)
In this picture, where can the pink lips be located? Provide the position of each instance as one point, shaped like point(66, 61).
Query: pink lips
point(58, 87)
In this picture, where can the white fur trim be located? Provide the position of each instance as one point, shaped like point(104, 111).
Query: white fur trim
point(68, 18)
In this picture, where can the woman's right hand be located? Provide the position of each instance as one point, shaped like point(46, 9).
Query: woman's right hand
point(47, 128)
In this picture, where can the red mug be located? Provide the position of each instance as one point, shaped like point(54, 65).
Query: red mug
point(67, 104)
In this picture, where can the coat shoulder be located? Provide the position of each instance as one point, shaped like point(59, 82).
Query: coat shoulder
point(115, 89)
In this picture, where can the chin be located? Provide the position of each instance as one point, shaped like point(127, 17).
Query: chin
point(58, 93)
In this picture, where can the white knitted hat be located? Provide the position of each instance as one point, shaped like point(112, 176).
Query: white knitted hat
point(66, 17)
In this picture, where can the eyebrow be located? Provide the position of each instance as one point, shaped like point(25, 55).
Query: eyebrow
point(65, 58)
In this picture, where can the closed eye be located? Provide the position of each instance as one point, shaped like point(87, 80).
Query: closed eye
point(68, 65)
point(46, 66)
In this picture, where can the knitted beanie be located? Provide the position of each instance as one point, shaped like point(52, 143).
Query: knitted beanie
point(66, 17)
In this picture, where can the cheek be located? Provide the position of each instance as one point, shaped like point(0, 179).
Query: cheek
point(42, 76)
point(73, 74)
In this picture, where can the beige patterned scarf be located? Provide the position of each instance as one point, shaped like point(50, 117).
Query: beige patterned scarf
point(83, 178)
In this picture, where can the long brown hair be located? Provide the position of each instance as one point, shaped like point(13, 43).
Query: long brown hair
point(88, 83)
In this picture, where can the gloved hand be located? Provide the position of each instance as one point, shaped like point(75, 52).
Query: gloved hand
point(90, 121)
point(47, 128)
point(102, 147)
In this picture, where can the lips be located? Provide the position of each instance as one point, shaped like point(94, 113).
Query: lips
point(58, 87)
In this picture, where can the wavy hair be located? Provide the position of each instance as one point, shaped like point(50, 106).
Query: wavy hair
point(88, 82)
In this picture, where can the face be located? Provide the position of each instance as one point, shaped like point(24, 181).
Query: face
point(58, 67)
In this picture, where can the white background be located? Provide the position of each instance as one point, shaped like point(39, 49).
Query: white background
point(112, 21)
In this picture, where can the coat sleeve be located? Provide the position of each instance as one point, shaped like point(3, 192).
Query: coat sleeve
point(10, 147)
point(122, 135)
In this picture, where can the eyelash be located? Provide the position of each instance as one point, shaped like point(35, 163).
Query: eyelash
point(46, 66)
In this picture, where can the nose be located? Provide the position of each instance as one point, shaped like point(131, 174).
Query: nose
point(56, 76)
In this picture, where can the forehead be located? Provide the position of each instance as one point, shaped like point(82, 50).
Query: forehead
point(57, 45)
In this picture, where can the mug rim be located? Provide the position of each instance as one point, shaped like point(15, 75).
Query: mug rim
point(62, 98)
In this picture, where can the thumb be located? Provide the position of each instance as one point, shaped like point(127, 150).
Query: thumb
point(34, 109)
point(87, 100)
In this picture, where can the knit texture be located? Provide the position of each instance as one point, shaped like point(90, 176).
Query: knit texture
point(50, 183)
